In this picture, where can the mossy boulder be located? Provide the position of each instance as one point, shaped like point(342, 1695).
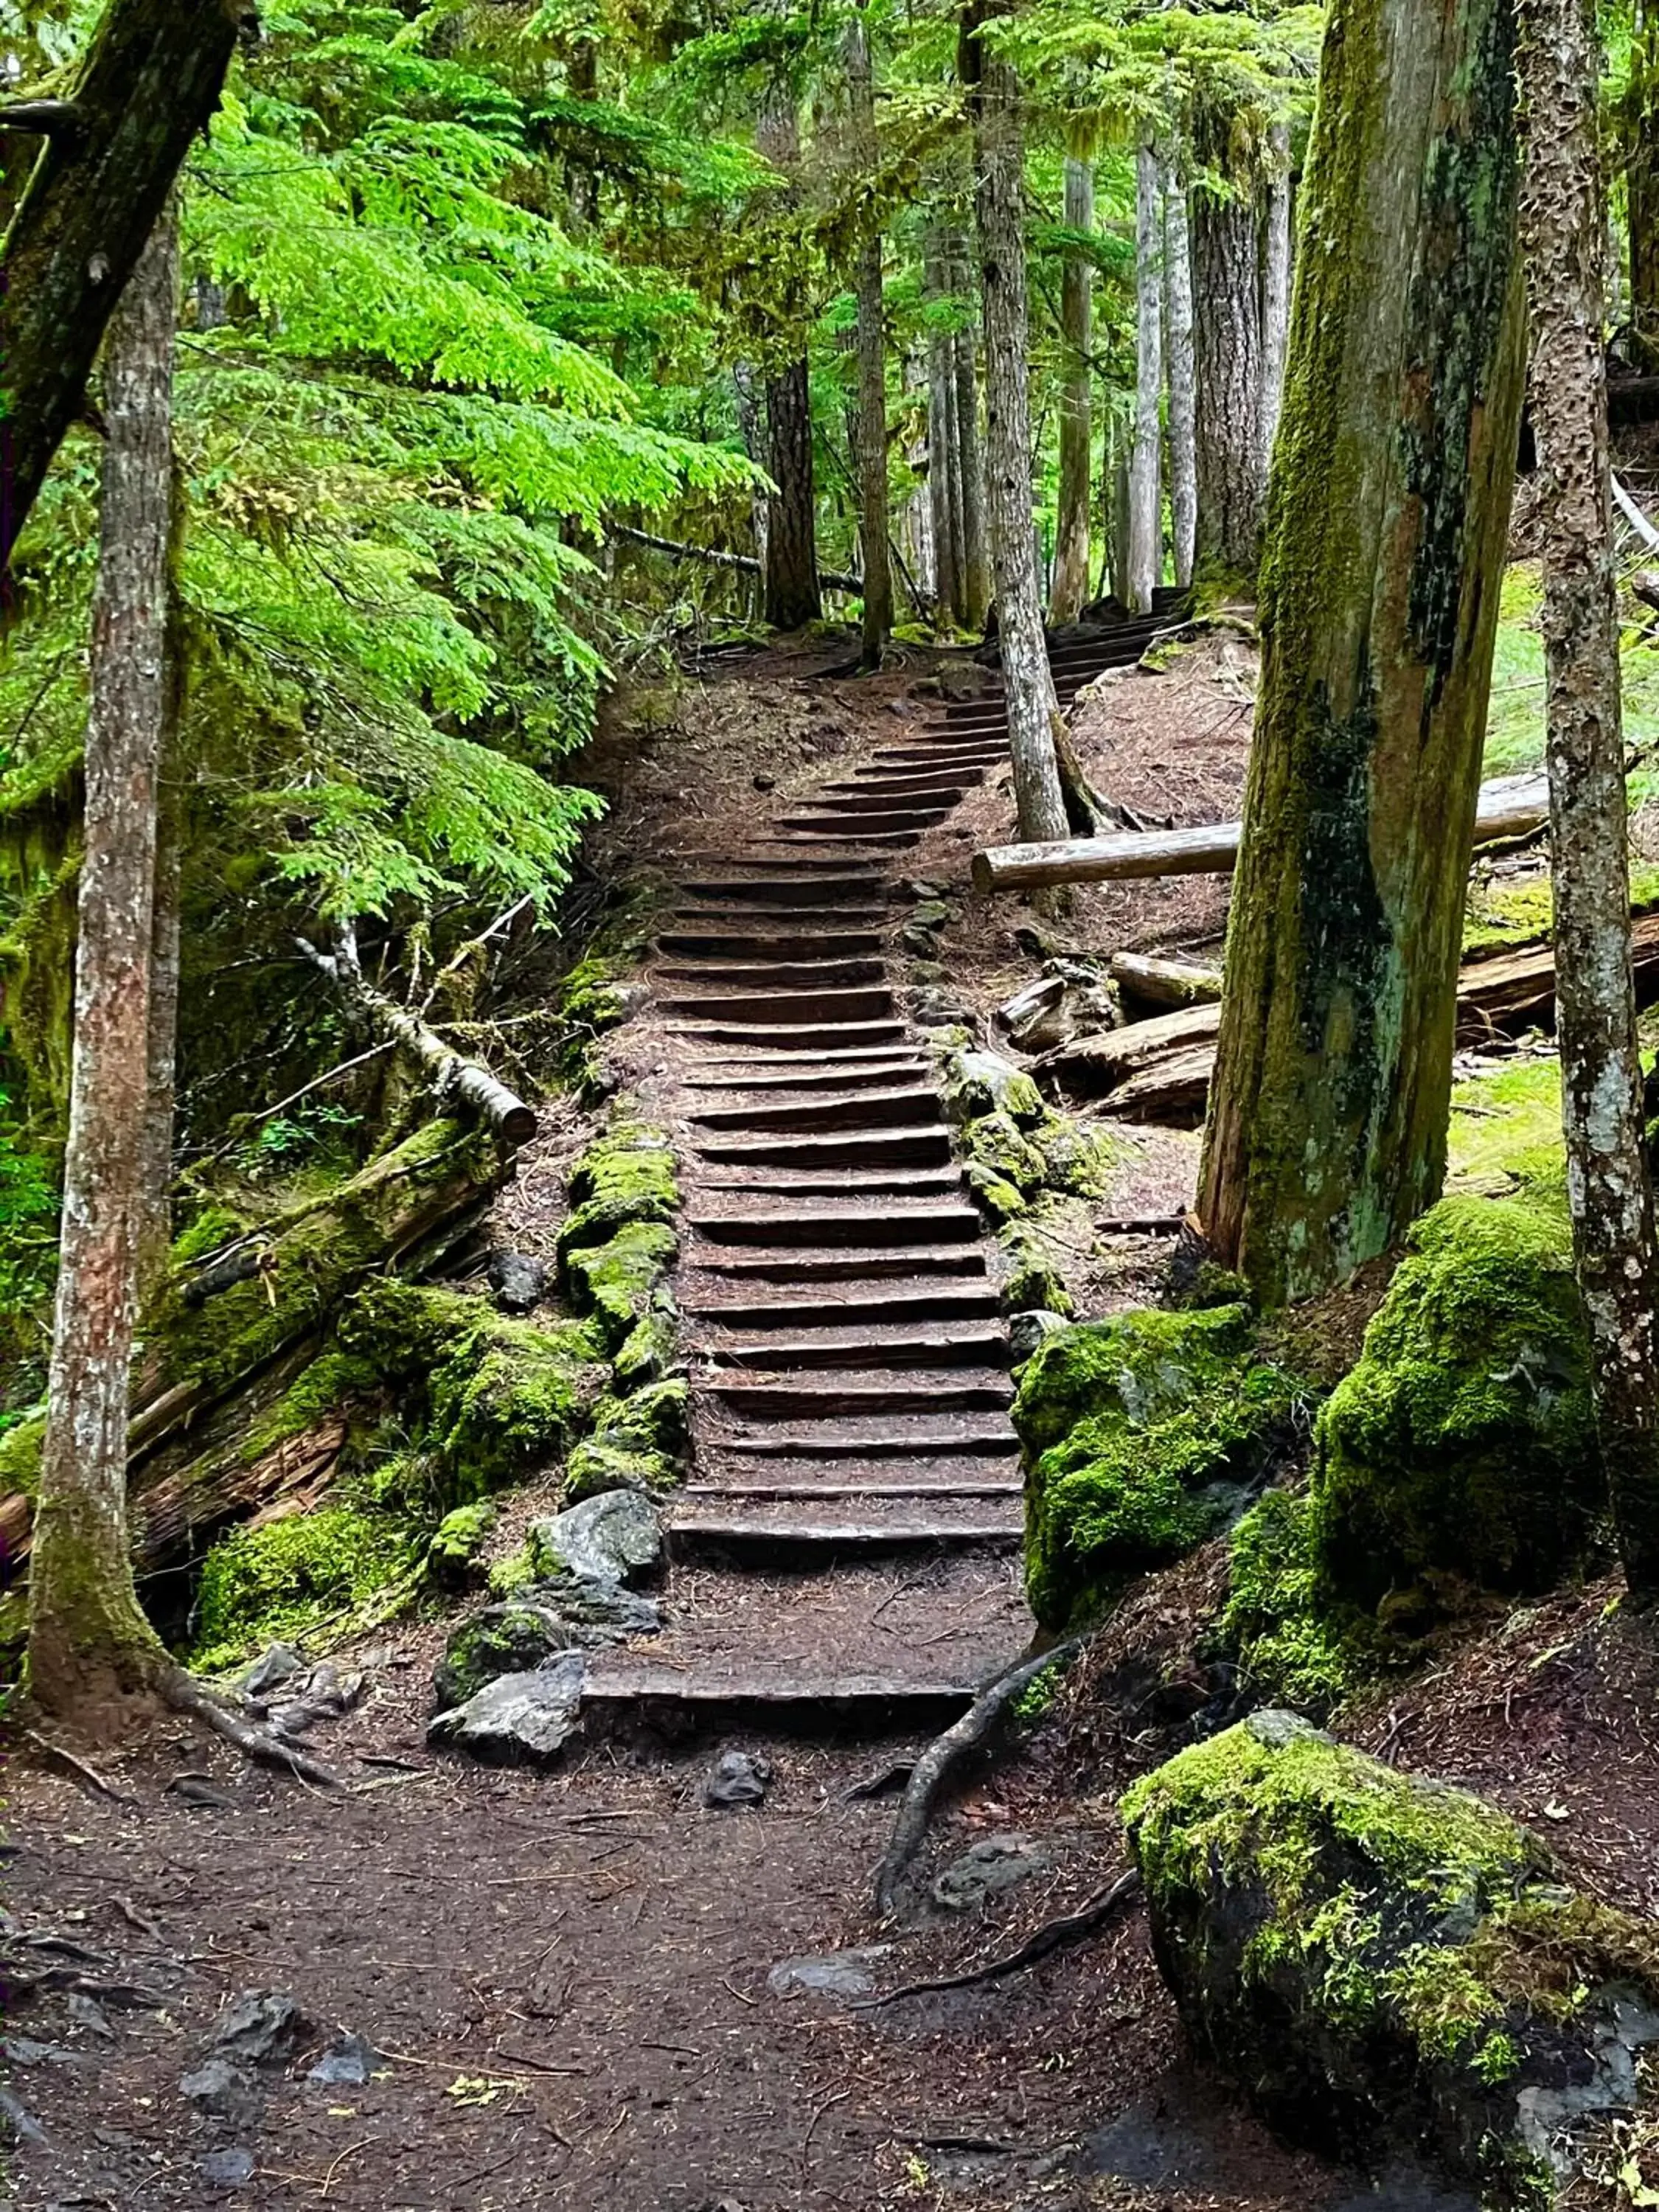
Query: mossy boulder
point(452, 1556)
point(1000, 1199)
point(1074, 1159)
point(1033, 1279)
point(1140, 1436)
point(515, 1637)
point(625, 1178)
point(1463, 1440)
point(995, 1143)
point(618, 1281)
point(276, 1581)
point(1387, 1965)
point(651, 1419)
point(596, 1465)
point(1293, 1643)
point(647, 1354)
point(977, 1083)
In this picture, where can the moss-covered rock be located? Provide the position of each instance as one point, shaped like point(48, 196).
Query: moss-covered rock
point(1387, 1965)
point(625, 1178)
point(651, 1419)
point(1000, 1199)
point(993, 1141)
point(1463, 1440)
point(647, 1354)
point(618, 1281)
point(596, 1465)
point(514, 1638)
point(1033, 1278)
point(977, 1083)
point(452, 1556)
point(1293, 1643)
point(1074, 1159)
point(1138, 1432)
point(281, 1579)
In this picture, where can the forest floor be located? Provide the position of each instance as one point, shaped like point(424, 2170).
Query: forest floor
point(577, 1983)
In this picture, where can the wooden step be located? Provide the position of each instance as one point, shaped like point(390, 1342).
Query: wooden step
point(854, 1264)
point(919, 1147)
point(872, 1345)
point(783, 1228)
point(868, 1108)
point(856, 1395)
point(744, 1310)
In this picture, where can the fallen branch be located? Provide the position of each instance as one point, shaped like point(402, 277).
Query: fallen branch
point(43, 118)
point(455, 1080)
point(1633, 515)
point(942, 1757)
point(745, 563)
point(1054, 1935)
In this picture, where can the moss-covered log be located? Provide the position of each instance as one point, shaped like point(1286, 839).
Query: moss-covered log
point(150, 82)
point(1388, 512)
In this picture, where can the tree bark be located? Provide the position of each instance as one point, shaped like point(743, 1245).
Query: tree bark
point(1608, 1192)
point(999, 140)
point(1070, 587)
point(791, 576)
point(1275, 292)
point(154, 1235)
point(874, 518)
point(1121, 439)
point(1145, 492)
point(1641, 183)
point(150, 82)
point(1227, 351)
point(973, 559)
point(91, 1651)
point(944, 485)
point(1178, 302)
point(1379, 601)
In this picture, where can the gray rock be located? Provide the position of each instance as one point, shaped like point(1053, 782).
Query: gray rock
point(996, 1863)
point(828, 1973)
point(517, 1282)
point(520, 1720)
point(981, 1083)
point(232, 2168)
point(917, 940)
point(223, 2090)
point(516, 1637)
point(324, 1692)
point(937, 1009)
point(615, 1537)
point(598, 1612)
point(1027, 1330)
point(737, 1778)
point(24, 2051)
point(22, 2122)
point(260, 2028)
point(91, 2016)
point(930, 914)
point(348, 2063)
point(276, 1664)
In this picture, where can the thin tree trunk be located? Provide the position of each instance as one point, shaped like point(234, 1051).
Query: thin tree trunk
point(155, 1229)
point(1227, 351)
point(1145, 490)
point(943, 487)
point(973, 560)
point(1379, 601)
point(1070, 587)
point(999, 140)
point(791, 574)
point(751, 426)
point(1641, 183)
point(1121, 442)
point(1275, 291)
point(1608, 1191)
point(1178, 297)
point(581, 176)
point(873, 517)
point(91, 1651)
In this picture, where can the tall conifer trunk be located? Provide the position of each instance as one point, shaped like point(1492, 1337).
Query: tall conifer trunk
point(790, 577)
point(998, 139)
point(1379, 601)
point(1275, 292)
point(1608, 1191)
point(1178, 318)
point(91, 1651)
point(943, 487)
point(1641, 183)
point(974, 558)
point(1070, 587)
point(1145, 478)
point(873, 520)
point(1227, 346)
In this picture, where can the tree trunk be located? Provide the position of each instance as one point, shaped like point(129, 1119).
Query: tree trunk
point(1227, 353)
point(1608, 1191)
point(1379, 601)
point(1178, 301)
point(150, 82)
point(154, 1235)
point(1145, 492)
point(791, 580)
point(1121, 440)
point(973, 560)
point(871, 449)
point(91, 1651)
point(581, 177)
point(999, 140)
point(1070, 588)
point(944, 485)
point(1275, 292)
point(1641, 184)
point(751, 428)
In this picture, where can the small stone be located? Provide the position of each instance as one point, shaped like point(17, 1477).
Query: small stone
point(276, 1664)
point(930, 914)
point(517, 1280)
point(232, 2168)
point(737, 1778)
point(346, 2064)
point(766, 783)
point(599, 1610)
point(615, 1537)
point(24, 2051)
point(199, 1793)
point(828, 1973)
point(92, 2017)
point(225, 2091)
point(997, 1863)
point(519, 1720)
point(22, 2122)
point(260, 2028)
point(1027, 1330)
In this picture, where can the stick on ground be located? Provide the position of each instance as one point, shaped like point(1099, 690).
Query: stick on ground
point(1054, 1935)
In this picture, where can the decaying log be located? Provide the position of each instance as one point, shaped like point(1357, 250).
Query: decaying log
point(745, 563)
point(455, 1081)
point(1509, 807)
point(1164, 983)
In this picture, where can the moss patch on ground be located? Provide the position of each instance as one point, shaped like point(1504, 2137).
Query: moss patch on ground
point(1139, 1434)
point(284, 1579)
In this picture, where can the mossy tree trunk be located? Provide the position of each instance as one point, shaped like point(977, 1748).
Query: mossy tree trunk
point(1180, 374)
point(872, 413)
point(1146, 474)
point(1070, 585)
point(151, 81)
point(90, 1648)
point(1564, 227)
point(1642, 182)
point(999, 140)
point(1386, 540)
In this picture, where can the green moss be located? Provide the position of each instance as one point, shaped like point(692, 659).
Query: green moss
point(1463, 1440)
point(1294, 1645)
point(598, 1464)
point(616, 1281)
point(1034, 1280)
point(284, 1579)
point(650, 1419)
point(1505, 1134)
point(626, 1177)
point(512, 1573)
point(20, 1454)
point(994, 1143)
point(215, 1224)
point(647, 1355)
point(1137, 1433)
point(1001, 1198)
point(452, 1553)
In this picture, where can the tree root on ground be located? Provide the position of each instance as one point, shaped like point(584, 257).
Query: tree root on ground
point(1053, 1936)
point(943, 1756)
point(185, 1694)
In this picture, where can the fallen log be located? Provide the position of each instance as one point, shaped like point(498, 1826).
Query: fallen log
point(1510, 806)
point(1164, 983)
point(745, 563)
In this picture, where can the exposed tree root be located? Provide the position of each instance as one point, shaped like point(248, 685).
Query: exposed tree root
point(186, 1695)
point(1054, 1935)
point(943, 1756)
